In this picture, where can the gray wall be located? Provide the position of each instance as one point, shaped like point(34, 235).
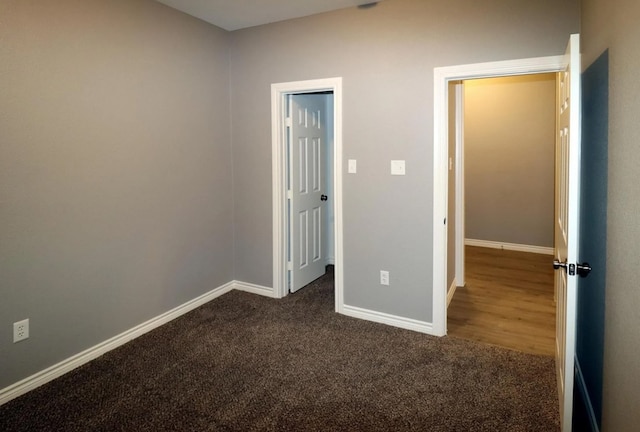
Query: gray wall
point(386, 55)
point(613, 24)
point(115, 171)
point(509, 137)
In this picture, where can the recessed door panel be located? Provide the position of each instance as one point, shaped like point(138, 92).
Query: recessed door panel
point(303, 239)
point(303, 166)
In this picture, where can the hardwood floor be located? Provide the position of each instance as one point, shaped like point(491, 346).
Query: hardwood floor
point(507, 301)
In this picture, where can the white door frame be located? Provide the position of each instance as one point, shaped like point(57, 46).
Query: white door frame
point(279, 92)
point(459, 278)
point(441, 78)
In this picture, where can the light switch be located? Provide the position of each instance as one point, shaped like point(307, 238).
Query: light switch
point(352, 168)
point(397, 167)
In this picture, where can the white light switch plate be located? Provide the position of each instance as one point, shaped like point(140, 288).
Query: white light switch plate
point(397, 167)
point(353, 166)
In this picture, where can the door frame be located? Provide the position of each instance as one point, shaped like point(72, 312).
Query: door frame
point(459, 278)
point(441, 78)
point(279, 93)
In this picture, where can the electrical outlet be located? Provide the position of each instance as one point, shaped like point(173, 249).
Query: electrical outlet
point(384, 277)
point(20, 330)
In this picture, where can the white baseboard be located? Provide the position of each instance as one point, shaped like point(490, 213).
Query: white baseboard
point(509, 246)
point(451, 291)
point(49, 374)
point(59, 369)
point(582, 388)
point(254, 289)
point(392, 320)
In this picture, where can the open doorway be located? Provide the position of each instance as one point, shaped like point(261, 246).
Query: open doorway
point(505, 283)
point(307, 232)
point(442, 77)
point(310, 197)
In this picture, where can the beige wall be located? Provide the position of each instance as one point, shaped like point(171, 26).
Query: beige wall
point(509, 135)
point(115, 171)
point(613, 24)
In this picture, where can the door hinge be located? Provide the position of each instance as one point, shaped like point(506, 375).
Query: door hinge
point(289, 265)
point(288, 122)
point(289, 194)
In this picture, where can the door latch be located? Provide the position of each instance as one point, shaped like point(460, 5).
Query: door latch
point(557, 265)
point(583, 269)
point(323, 197)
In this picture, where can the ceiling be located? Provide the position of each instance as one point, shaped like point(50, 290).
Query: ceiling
point(238, 14)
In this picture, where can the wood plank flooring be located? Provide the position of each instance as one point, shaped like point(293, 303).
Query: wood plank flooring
point(507, 301)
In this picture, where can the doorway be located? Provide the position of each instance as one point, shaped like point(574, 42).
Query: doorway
point(282, 96)
point(442, 77)
point(505, 223)
point(309, 166)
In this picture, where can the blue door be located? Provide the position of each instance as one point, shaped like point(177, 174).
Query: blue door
point(587, 413)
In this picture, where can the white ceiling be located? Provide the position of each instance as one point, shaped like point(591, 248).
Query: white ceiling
point(237, 14)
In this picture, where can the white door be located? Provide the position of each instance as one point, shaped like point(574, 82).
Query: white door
point(567, 195)
point(306, 186)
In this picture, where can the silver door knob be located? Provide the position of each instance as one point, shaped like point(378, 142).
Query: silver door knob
point(583, 269)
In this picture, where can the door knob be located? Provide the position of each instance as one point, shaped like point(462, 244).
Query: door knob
point(583, 269)
point(323, 198)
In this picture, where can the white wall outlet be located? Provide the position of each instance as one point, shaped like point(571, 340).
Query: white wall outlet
point(397, 167)
point(20, 330)
point(352, 166)
point(384, 277)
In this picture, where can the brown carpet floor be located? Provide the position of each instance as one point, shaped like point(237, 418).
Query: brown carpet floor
point(248, 363)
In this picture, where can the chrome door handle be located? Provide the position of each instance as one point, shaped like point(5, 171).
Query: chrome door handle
point(583, 269)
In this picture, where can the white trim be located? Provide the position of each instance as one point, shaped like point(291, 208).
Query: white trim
point(459, 210)
point(75, 361)
point(451, 291)
point(392, 320)
point(509, 246)
point(254, 289)
point(441, 78)
point(278, 93)
point(582, 387)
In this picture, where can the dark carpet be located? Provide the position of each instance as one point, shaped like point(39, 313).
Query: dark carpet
point(248, 363)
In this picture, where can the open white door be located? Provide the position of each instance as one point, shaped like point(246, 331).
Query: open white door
point(307, 209)
point(567, 195)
